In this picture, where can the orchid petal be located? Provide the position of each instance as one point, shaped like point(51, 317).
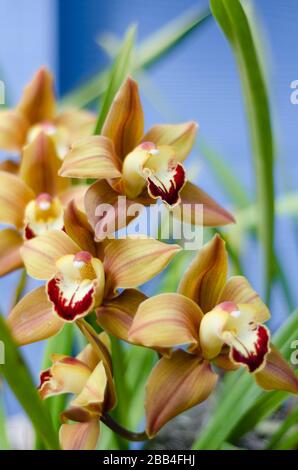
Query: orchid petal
point(124, 124)
point(10, 166)
point(179, 136)
point(41, 253)
point(38, 100)
point(93, 393)
point(79, 436)
point(175, 385)
point(14, 196)
point(78, 123)
point(133, 261)
point(10, 256)
point(13, 130)
point(78, 228)
point(91, 157)
point(32, 318)
point(205, 278)
point(165, 321)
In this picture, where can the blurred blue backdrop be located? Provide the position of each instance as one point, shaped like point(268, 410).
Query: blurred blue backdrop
point(197, 81)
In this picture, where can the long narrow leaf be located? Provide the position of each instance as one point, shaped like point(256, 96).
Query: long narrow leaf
point(4, 444)
point(20, 381)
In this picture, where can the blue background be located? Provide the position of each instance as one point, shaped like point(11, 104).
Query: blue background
point(197, 81)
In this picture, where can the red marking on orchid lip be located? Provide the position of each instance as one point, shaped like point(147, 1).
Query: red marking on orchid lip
point(43, 197)
point(83, 256)
point(171, 195)
point(147, 146)
point(228, 306)
point(29, 234)
point(68, 310)
point(45, 376)
point(254, 360)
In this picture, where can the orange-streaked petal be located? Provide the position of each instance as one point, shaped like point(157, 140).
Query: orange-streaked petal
point(41, 253)
point(199, 204)
point(134, 261)
point(10, 256)
point(40, 165)
point(124, 123)
point(239, 291)
point(32, 318)
point(175, 385)
point(38, 100)
point(76, 193)
point(13, 130)
point(78, 228)
point(79, 436)
point(66, 375)
point(180, 136)
point(165, 321)
point(78, 123)
point(14, 196)
point(277, 374)
point(206, 276)
point(10, 166)
point(93, 394)
point(91, 157)
point(116, 315)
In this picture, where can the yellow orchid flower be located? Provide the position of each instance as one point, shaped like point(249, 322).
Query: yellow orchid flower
point(80, 274)
point(141, 167)
point(221, 321)
point(85, 377)
point(35, 112)
point(33, 201)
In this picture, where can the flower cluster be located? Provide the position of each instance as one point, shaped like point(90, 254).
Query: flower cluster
point(211, 323)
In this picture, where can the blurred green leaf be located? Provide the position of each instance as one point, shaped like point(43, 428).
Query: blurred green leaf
point(237, 409)
point(119, 71)
point(234, 23)
point(20, 381)
point(290, 421)
point(152, 49)
point(4, 444)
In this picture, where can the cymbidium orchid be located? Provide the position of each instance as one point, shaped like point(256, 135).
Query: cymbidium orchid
point(80, 274)
point(141, 167)
point(35, 112)
point(33, 201)
point(85, 377)
point(221, 321)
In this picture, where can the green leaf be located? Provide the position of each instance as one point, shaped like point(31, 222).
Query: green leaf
point(4, 444)
point(119, 71)
point(20, 381)
point(241, 403)
point(290, 420)
point(232, 19)
point(152, 49)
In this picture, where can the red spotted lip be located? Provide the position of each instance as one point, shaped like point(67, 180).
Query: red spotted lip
point(171, 195)
point(69, 310)
point(254, 360)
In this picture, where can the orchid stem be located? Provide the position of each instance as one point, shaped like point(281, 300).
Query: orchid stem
point(123, 432)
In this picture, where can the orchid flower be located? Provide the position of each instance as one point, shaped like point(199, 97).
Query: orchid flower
point(35, 112)
point(141, 167)
point(33, 201)
point(80, 274)
point(85, 377)
point(221, 321)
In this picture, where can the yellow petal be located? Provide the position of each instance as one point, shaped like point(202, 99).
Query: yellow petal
point(116, 315)
point(14, 196)
point(66, 375)
point(76, 193)
point(79, 436)
point(41, 253)
point(205, 278)
point(10, 166)
point(211, 328)
point(165, 321)
point(38, 100)
point(13, 130)
point(198, 204)
point(78, 123)
point(40, 165)
point(32, 318)
point(78, 228)
point(277, 374)
point(93, 394)
point(134, 261)
point(125, 121)
point(180, 136)
point(239, 291)
point(175, 385)
point(91, 157)
point(10, 256)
